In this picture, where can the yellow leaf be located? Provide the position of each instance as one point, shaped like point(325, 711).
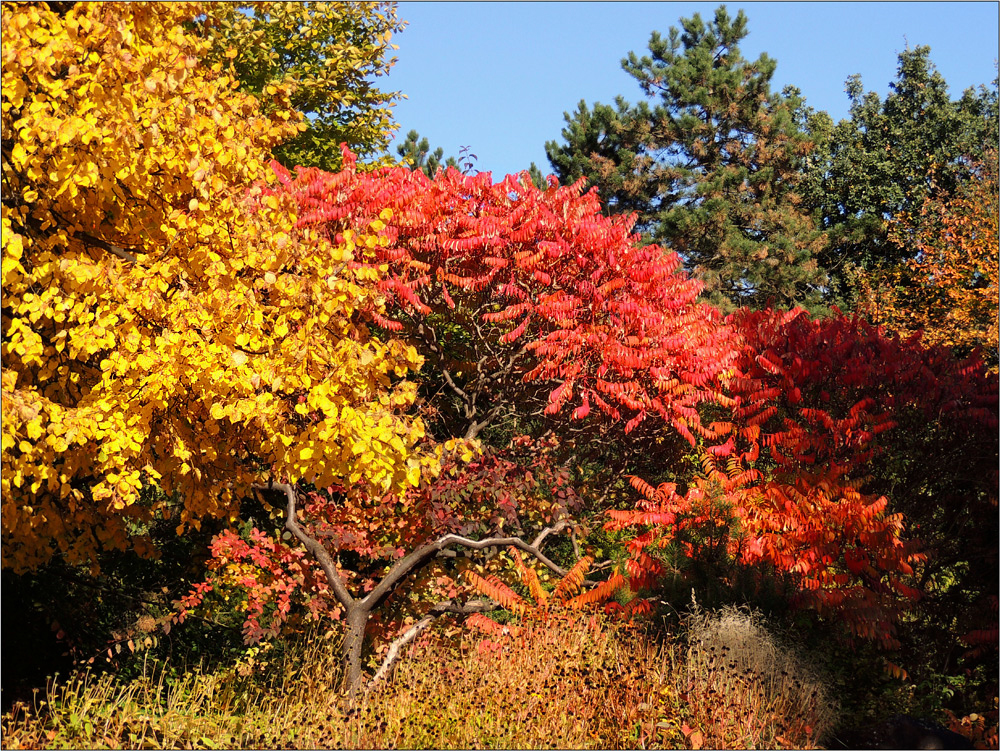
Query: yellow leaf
point(18, 154)
point(132, 148)
point(413, 476)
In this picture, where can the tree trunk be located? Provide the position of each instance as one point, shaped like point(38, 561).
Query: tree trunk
point(357, 619)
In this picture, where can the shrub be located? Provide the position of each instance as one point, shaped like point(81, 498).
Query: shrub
point(581, 683)
point(747, 689)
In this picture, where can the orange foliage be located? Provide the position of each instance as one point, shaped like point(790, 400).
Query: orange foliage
point(950, 287)
point(788, 467)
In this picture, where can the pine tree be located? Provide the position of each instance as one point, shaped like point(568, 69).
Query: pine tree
point(710, 165)
point(603, 145)
point(416, 153)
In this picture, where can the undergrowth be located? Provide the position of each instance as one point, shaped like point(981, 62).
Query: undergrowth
point(573, 682)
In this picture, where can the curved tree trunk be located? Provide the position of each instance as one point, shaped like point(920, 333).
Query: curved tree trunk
point(358, 611)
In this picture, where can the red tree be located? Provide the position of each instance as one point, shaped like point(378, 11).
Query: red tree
point(350, 556)
point(565, 311)
point(552, 292)
point(528, 301)
point(804, 463)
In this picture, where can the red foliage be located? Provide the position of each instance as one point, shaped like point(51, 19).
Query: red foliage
point(271, 575)
point(802, 406)
point(519, 488)
point(810, 400)
point(612, 324)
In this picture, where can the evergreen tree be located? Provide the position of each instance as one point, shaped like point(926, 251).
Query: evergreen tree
point(416, 153)
point(604, 146)
point(710, 165)
point(878, 164)
point(537, 178)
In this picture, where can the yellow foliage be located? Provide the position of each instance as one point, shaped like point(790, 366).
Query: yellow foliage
point(949, 288)
point(163, 320)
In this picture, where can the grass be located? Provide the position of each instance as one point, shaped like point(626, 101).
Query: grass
point(572, 682)
point(750, 689)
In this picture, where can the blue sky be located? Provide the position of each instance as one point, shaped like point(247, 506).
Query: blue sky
point(498, 76)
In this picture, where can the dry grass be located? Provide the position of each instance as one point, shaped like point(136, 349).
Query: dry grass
point(572, 683)
point(577, 685)
point(750, 691)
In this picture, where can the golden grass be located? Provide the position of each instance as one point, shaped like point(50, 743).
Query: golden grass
point(572, 682)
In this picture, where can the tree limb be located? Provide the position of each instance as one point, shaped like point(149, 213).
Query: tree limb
point(87, 238)
point(454, 387)
point(99, 243)
point(557, 527)
point(422, 555)
point(475, 426)
point(315, 548)
point(436, 611)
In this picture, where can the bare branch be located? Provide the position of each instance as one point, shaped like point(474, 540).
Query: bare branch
point(315, 548)
point(99, 243)
point(455, 388)
point(429, 336)
point(475, 426)
point(441, 608)
point(89, 239)
point(422, 555)
point(557, 527)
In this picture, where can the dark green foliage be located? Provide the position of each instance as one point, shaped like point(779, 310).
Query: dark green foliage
point(942, 474)
point(878, 163)
point(710, 166)
point(63, 618)
point(603, 145)
point(537, 178)
point(416, 153)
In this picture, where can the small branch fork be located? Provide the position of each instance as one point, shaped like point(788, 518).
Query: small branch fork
point(358, 611)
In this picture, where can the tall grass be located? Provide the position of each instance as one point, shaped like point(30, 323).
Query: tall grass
point(748, 689)
point(575, 682)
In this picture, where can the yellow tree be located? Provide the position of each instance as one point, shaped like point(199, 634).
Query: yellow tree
point(328, 55)
point(951, 286)
point(164, 322)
